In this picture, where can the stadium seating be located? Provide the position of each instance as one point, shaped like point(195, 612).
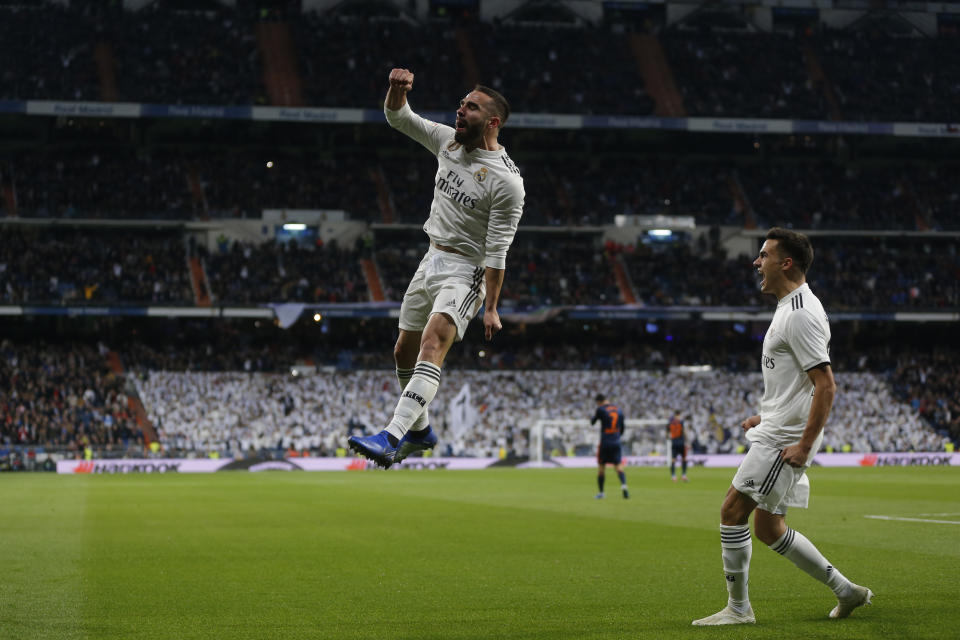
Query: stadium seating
point(216, 56)
point(62, 395)
point(226, 386)
point(212, 394)
point(83, 266)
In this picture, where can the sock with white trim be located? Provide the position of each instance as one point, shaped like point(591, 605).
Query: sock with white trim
point(737, 547)
point(794, 546)
point(414, 398)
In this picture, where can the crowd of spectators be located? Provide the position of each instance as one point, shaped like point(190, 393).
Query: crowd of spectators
point(84, 266)
point(47, 53)
point(572, 188)
point(848, 273)
point(63, 395)
point(47, 265)
point(285, 272)
point(211, 56)
point(124, 182)
point(344, 62)
point(744, 75)
point(185, 57)
point(929, 383)
point(562, 188)
point(542, 270)
point(563, 70)
point(832, 196)
point(235, 413)
point(907, 72)
point(556, 270)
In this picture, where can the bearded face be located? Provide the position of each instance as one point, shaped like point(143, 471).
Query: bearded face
point(469, 133)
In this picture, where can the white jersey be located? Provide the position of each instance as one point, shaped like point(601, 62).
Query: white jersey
point(798, 340)
point(478, 196)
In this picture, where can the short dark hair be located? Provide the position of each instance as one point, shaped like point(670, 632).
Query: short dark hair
point(793, 244)
point(600, 397)
point(500, 105)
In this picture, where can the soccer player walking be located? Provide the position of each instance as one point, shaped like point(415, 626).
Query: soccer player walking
point(798, 394)
point(477, 203)
point(678, 446)
point(609, 450)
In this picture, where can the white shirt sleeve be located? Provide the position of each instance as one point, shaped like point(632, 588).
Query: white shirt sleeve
point(430, 134)
point(505, 211)
point(807, 339)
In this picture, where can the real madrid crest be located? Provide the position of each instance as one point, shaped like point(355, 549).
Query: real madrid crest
point(481, 175)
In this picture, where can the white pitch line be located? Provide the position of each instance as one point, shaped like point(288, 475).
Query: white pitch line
point(938, 514)
point(913, 519)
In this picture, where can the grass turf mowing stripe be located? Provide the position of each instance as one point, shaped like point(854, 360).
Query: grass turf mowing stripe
point(439, 554)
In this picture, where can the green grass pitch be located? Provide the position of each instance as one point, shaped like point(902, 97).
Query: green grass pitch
point(506, 553)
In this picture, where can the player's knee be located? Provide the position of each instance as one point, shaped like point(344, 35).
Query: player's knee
point(430, 348)
point(733, 512)
point(406, 349)
point(765, 536)
point(768, 528)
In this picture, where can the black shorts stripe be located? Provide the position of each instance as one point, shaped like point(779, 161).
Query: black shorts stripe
point(772, 475)
point(467, 303)
point(474, 291)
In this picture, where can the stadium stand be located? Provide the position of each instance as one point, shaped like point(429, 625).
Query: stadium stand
point(94, 265)
point(71, 266)
point(759, 75)
point(272, 272)
point(231, 389)
point(217, 385)
point(64, 396)
point(215, 55)
point(863, 64)
point(188, 183)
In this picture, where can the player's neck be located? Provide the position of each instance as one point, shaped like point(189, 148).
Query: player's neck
point(484, 144)
point(789, 286)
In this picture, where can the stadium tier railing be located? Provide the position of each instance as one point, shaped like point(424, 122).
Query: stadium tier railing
point(320, 115)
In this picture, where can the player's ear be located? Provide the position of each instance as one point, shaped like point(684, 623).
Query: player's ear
point(494, 122)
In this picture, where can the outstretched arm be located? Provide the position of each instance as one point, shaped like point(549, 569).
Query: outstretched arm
point(401, 81)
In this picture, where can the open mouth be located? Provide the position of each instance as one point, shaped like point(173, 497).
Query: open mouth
point(461, 125)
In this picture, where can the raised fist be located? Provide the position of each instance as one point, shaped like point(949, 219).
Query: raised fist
point(401, 79)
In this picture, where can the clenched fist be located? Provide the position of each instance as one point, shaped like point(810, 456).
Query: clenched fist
point(401, 79)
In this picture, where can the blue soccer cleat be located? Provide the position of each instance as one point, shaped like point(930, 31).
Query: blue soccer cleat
point(415, 441)
point(376, 448)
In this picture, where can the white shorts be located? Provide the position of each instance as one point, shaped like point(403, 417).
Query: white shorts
point(445, 283)
point(770, 482)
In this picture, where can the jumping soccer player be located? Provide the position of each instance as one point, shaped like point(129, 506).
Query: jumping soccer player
point(611, 428)
point(477, 203)
point(798, 394)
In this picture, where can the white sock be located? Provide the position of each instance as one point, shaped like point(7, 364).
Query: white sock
point(801, 552)
point(403, 377)
point(414, 398)
point(737, 547)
